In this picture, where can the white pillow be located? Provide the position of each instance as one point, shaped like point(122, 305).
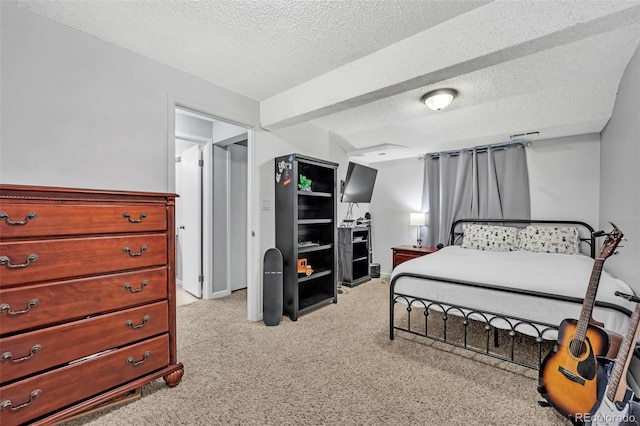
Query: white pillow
point(549, 239)
point(489, 237)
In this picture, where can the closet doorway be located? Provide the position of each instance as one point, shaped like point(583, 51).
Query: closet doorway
point(211, 212)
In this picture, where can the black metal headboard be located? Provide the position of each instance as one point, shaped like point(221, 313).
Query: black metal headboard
point(455, 236)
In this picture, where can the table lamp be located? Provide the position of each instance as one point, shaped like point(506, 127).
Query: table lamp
point(419, 220)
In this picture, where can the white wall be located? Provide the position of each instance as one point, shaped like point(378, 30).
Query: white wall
point(397, 193)
point(103, 114)
point(306, 139)
point(223, 131)
point(188, 125)
point(563, 177)
point(79, 112)
point(620, 173)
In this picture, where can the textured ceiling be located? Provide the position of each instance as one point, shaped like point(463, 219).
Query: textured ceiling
point(359, 68)
point(256, 48)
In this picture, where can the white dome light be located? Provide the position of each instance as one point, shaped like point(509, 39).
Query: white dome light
point(439, 99)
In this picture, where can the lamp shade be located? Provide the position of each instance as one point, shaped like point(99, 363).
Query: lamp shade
point(418, 219)
point(439, 99)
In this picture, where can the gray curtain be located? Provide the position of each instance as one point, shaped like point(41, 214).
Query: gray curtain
point(480, 183)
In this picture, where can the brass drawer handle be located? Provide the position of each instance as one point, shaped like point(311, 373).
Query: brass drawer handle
point(133, 254)
point(8, 404)
point(143, 284)
point(135, 363)
point(9, 356)
point(129, 323)
point(128, 216)
point(30, 216)
point(5, 307)
point(4, 260)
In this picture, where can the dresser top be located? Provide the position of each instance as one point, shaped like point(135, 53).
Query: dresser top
point(414, 249)
point(29, 192)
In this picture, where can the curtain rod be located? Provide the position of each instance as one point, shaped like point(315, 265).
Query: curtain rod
point(480, 148)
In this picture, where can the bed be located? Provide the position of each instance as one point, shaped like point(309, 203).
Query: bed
point(518, 291)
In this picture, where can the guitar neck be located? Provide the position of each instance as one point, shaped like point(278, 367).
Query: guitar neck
point(617, 386)
point(589, 300)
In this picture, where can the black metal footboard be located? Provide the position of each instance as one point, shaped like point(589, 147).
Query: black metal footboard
point(513, 328)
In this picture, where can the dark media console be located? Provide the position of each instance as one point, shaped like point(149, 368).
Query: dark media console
point(353, 255)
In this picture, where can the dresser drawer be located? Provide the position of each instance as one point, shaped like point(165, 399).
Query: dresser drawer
point(59, 301)
point(19, 219)
point(403, 257)
point(39, 350)
point(403, 253)
point(54, 389)
point(39, 260)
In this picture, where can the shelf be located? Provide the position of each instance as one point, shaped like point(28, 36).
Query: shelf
point(314, 221)
point(307, 216)
point(313, 276)
point(353, 255)
point(314, 301)
point(308, 249)
point(357, 281)
point(315, 194)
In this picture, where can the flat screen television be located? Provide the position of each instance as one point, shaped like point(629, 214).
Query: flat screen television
point(358, 185)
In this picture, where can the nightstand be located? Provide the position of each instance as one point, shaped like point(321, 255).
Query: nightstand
point(404, 253)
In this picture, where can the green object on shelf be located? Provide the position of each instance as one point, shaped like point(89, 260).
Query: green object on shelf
point(304, 183)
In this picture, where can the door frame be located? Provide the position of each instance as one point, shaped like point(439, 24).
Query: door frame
point(228, 144)
point(231, 147)
point(254, 290)
point(207, 219)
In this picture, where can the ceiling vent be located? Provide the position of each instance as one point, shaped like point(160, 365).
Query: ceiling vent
point(524, 136)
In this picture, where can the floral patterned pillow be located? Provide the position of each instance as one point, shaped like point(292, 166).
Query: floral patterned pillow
point(549, 239)
point(489, 237)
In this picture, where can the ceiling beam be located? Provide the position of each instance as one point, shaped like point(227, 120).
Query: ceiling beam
point(496, 35)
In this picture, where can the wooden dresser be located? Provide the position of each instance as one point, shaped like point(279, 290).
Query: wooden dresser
point(87, 299)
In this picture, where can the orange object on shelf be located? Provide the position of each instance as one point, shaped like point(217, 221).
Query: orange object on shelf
point(303, 268)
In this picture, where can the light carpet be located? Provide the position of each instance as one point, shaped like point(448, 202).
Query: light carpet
point(335, 365)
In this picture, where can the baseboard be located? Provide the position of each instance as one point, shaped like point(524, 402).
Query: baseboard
point(218, 294)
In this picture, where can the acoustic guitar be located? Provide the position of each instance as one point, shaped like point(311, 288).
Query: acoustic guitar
point(568, 375)
point(616, 404)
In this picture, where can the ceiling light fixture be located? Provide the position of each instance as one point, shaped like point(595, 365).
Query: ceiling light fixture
point(439, 99)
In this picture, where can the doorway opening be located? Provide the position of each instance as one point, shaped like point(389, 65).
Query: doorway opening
point(211, 178)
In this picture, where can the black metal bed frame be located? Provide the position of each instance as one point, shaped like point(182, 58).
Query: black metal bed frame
point(468, 313)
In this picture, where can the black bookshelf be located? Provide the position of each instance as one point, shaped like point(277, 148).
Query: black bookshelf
point(353, 255)
point(306, 229)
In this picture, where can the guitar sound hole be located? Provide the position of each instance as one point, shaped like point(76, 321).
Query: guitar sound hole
point(578, 348)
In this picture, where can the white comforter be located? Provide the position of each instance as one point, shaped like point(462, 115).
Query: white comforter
point(561, 274)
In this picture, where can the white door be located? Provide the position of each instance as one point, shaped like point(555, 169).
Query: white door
point(190, 228)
